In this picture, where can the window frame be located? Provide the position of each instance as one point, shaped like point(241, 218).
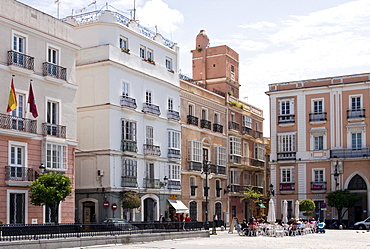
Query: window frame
point(123, 43)
point(314, 178)
point(132, 135)
point(129, 167)
point(174, 139)
point(142, 52)
point(169, 64)
point(221, 156)
point(284, 179)
point(247, 121)
point(125, 89)
point(174, 172)
point(235, 146)
point(286, 142)
point(63, 157)
point(195, 151)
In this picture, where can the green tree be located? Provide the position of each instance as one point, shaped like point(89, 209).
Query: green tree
point(341, 199)
point(251, 197)
point(50, 189)
point(308, 206)
point(131, 200)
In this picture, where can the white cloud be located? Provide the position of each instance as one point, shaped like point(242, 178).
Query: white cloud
point(259, 25)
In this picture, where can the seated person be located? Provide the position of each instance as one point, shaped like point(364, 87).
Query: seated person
point(252, 226)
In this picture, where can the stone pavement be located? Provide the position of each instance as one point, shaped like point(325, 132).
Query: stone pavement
point(347, 239)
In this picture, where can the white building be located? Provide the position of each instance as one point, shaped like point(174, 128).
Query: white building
point(128, 118)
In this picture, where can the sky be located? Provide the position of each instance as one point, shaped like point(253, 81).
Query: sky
point(277, 40)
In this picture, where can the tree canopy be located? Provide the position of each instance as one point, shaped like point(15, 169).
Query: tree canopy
point(308, 206)
point(131, 200)
point(341, 199)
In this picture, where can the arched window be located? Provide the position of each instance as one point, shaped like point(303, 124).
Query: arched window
point(357, 183)
point(218, 210)
point(193, 211)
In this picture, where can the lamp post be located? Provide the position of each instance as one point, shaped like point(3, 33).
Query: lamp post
point(272, 191)
point(336, 175)
point(42, 168)
point(205, 175)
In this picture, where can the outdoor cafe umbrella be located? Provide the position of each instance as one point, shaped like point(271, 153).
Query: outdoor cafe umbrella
point(296, 209)
point(285, 211)
point(271, 217)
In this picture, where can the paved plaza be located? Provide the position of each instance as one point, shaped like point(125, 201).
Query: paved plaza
point(224, 240)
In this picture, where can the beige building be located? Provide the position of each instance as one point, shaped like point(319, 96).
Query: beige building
point(36, 48)
point(320, 143)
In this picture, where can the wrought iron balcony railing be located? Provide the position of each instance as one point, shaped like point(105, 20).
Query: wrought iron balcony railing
point(152, 183)
point(174, 184)
point(150, 108)
point(54, 130)
point(286, 155)
point(233, 126)
point(287, 118)
point(247, 130)
point(318, 116)
point(287, 186)
point(15, 173)
point(318, 186)
point(153, 150)
point(350, 153)
point(174, 153)
point(192, 120)
point(235, 159)
point(258, 134)
point(128, 145)
point(17, 123)
point(196, 166)
point(205, 124)
point(21, 60)
point(174, 115)
point(356, 113)
point(218, 128)
point(129, 181)
point(49, 69)
point(128, 102)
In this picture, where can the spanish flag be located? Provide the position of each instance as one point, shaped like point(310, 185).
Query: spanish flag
point(32, 102)
point(12, 102)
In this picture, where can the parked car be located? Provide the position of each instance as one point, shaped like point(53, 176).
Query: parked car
point(121, 224)
point(365, 224)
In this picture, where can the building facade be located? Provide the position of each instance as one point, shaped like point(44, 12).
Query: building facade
point(36, 49)
point(319, 142)
point(128, 119)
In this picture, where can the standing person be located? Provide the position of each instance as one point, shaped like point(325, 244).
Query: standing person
point(187, 220)
point(161, 218)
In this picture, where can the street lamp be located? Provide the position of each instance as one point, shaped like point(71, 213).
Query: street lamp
point(42, 168)
point(272, 191)
point(206, 173)
point(336, 175)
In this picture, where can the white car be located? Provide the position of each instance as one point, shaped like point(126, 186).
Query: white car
point(365, 224)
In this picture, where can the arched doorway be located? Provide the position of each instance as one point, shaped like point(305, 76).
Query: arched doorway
point(193, 211)
point(149, 209)
point(358, 185)
point(88, 215)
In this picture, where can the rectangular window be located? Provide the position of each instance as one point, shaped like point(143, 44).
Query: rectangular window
point(150, 170)
point(170, 103)
point(217, 118)
point(259, 151)
point(318, 175)
point(129, 168)
point(125, 89)
point(235, 145)
point(318, 142)
point(287, 175)
point(247, 179)
point(19, 46)
point(169, 64)
point(193, 187)
point(259, 180)
point(218, 188)
point(174, 172)
point(123, 43)
point(285, 107)
point(148, 97)
point(142, 52)
point(234, 177)
point(220, 156)
point(204, 114)
point(286, 143)
point(56, 156)
point(191, 110)
point(129, 130)
point(174, 139)
point(356, 140)
point(53, 54)
point(52, 112)
point(317, 106)
point(356, 102)
point(194, 151)
point(247, 121)
point(150, 55)
point(16, 162)
point(149, 135)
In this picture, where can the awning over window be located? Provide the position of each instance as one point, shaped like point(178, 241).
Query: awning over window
point(261, 205)
point(179, 206)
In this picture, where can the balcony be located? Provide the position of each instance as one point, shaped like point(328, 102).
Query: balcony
point(192, 120)
point(174, 184)
point(318, 117)
point(174, 153)
point(205, 124)
point(21, 60)
point(17, 123)
point(233, 126)
point(356, 113)
point(218, 128)
point(286, 119)
point(129, 181)
point(55, 71)
point(54, 130)
point(151, 183)
point(287, 187)
point(235, 188)
point(246, 131)
point(350, 153)
point(258, 134)
point(286, 156)
point(256, 163)
point(152, 150)
point(15, 173)
point(318, 186)
point(235, 159)
point(130, 146)
point(150, 108)
point(218, 169)
point(173, 115)
point(128, 102)
point(195, 166)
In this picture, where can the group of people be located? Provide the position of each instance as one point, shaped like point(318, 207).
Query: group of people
point(175, 217)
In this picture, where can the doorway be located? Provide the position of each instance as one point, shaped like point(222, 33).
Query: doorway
point(89, 215)
point(149, 209)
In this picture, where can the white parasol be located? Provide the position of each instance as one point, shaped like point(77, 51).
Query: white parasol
point(296, 209)
point(271, 217)
point(285, 211)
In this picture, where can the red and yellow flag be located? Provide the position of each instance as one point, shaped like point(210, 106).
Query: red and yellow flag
point(32, 102)
point(12, 102)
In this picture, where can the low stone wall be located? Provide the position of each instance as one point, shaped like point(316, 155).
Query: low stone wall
point(99, 240)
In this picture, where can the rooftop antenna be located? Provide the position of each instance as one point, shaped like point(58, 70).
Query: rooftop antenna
point(134, 10)
point(57, 2)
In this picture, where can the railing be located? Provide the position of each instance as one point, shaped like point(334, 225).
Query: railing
point(53, 70)
point(258, 189)
point(258, 134)
point(14, 173)
point(287, 118)
point(129, 181)
point(246, 130)
point(355, 113)
point(234, 159)
point(128, 102)
point(317, 186)
point(150, 108)
point(54, 130)
point(318, 116)
point(17, 123)
point(196, 166)
point(235, 188)
point(192, 120)
point(153, 150)
point(349, 153)
point(152, 183)
point(21, 60)
point(218, 169)
point(190, 80)
point(233, 126)
point(286, 156)
point(174, 115)
point(173, 184)
point(174, 153)
point(129, 146)
point(218, 128)
point(219, 92)
point(287, 186)
point(205, 124)
point(256, 162)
